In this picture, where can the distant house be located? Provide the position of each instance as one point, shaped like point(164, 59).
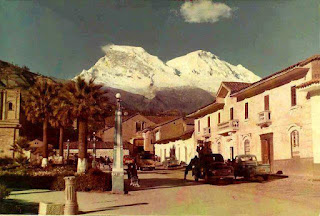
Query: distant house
point(131, 125)
point(36, 148)
point(173, 138)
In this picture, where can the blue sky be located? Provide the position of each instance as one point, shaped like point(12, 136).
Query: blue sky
point(60, 38)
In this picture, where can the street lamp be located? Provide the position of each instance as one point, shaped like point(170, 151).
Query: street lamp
point(117, 168)
point(94, 150)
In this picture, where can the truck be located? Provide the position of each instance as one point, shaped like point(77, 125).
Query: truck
point(212, 167)
point(247, 166)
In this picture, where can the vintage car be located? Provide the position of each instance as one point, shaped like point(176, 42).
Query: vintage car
point(170, 162)
point(127, 159)
point(145, 160)
point(212, 167)
point(248, 167)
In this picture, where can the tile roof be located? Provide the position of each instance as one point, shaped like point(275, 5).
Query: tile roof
point(310, 82)
point(299, 64)
point(236, 86)
point(186, 135)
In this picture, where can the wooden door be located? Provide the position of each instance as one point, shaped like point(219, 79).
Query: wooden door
point(265, 151)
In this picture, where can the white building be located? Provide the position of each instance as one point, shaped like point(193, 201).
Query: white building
point(276, 118)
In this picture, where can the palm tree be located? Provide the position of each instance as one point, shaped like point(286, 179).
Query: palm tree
point(61, 119)
point(88, 102)
point(39, 108)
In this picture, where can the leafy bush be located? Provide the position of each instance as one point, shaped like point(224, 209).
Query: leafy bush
point(95, 180)
point(6, 161)
point(53, 179)
point(4, 192)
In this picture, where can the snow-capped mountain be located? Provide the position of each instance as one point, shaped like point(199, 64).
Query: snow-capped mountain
point(206, 70)
point(134, 70)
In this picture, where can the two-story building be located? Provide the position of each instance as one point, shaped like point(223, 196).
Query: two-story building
point(276, 118)
point(173, 138)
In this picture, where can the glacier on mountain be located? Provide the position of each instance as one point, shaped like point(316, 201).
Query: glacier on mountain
point(134, 70)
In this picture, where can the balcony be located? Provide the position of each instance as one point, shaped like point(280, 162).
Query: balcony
point(207, 132)
point(225, 128)
point(264, 118)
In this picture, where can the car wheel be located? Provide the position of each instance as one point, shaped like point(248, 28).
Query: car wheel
point(196, 178)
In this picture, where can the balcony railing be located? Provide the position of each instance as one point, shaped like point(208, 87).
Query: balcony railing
point(207, 132)
point(225, 128)
point(264, 118)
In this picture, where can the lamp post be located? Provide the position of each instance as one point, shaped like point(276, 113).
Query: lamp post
point(94, 150)
point(117, 168)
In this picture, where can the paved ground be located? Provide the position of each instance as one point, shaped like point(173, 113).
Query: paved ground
point(165, 193)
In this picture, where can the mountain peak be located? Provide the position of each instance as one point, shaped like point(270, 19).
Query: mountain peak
point(135, 70)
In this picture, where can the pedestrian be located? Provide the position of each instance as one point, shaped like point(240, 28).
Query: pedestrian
point(134, 176)
point(192, 163)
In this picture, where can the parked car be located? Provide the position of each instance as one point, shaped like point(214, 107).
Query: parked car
point(127, 159)
point(145, 160)
point(212, 166)
point(170, 162)
point(248, 167)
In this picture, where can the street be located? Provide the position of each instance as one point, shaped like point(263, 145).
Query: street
point(163, 192)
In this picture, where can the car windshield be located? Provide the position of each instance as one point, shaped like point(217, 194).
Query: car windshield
point(146, 156)
point(248, 158)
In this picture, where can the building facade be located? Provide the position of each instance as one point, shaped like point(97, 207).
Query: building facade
point(276, 118)
point(9, 120)
point(173, 138)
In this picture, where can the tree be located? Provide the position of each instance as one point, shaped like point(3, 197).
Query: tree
point(88, 102)
point(61, 118)
point(21, 145)
point(39, 108)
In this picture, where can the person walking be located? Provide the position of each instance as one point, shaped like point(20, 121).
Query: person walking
point(194, 161)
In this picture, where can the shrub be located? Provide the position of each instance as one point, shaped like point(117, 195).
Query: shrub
point(4, 192)
point(95, 180)
point(6, 161)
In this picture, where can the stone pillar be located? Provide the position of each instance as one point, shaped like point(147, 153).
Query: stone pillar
point(117, 168)
point(71, 205)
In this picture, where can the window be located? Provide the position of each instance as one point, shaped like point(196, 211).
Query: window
point(266, 102)
point(246, 147)
point(219, 118)
point(246, 114)
point(209, 121)
point(198, 125)
point(140, 126)
point(10, 106)
point(157, 135)
point(294, 139)
point(231, 113)
point(293, 96)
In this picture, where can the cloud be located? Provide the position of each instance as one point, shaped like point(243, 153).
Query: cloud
point(105, 48)
point(204, 11)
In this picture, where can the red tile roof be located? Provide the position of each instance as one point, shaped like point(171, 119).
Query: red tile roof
point(310, 82)
point(299, 64)
point(186, 135)
point(236, 86)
